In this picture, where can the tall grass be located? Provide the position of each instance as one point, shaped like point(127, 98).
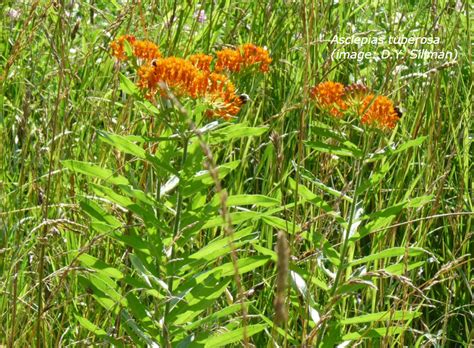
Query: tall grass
point(293, 236)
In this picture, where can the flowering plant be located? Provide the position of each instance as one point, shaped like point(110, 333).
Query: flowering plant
point(356, 99)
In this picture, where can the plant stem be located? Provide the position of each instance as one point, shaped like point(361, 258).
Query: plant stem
point(176, 227)
point(46, 199)
point(359, 172)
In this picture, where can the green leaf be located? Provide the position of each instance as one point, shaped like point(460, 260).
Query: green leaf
point(128, 86)
point(335, 149)
point(223, 339)
point(381, 316)
point(326, 131)
point(98, 214)
point(236, 218)
point(244, 265)
point(148, 107)
point(135, 331)
point(235, 131)
point(104, 291)
point(238, 200)
point(374, 333)
point(374, 179)
point(95, 172)
point(99, 266)
point(409, 144)
point(384, 217)
point(316, 182)
point(387, 253)
point(399, 268)
point(388, 151)
point(311, 197)
point(121, 143)
point(148, 277)
point(144, 211)
point(200, 298)
point(108, 287)
point(275, 327)
point(137, 243)
point(100, 333)
point(203, 178)
point(281, 224)
point(208, 252)
point(226, 311)
point(141, 312)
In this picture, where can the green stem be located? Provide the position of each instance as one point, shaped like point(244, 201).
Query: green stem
point(342, 258)
point(176, 227)
point(359, 172)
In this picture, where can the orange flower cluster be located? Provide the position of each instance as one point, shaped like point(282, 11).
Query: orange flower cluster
point(244, 56)
point(186, 79)
point(193, 77)
point(201, 61)
point(143, 49)
point(228, 59)
point(373, 111)
point(222, 94)
point(378, 111)
point(330, 95)
point(146, 50)
point(117, 46)
point(254, 55)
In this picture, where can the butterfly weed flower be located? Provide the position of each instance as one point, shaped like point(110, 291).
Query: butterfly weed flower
point(330, 96)
point(146, 50)
point(243, 56)
point(252, 54)
point(185, 79)
point(224, 100)
point(201, 61)
point(356, 92)
point(228, 59)
point(378, 112)
point(118, 46)
point(178, 73)
point(192, 77)
point(142, 49)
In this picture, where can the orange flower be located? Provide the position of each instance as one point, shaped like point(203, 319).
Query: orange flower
point(201, 61)
point(253, 55)
point(179, 74)
point(185, 79)
point(141, 49)
point(117, 46)
point(228, 59)
point(221, 93)
point(378, 112)
point(244, 56)
point(191, 77)
point(329, 95)
point(145, 50)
